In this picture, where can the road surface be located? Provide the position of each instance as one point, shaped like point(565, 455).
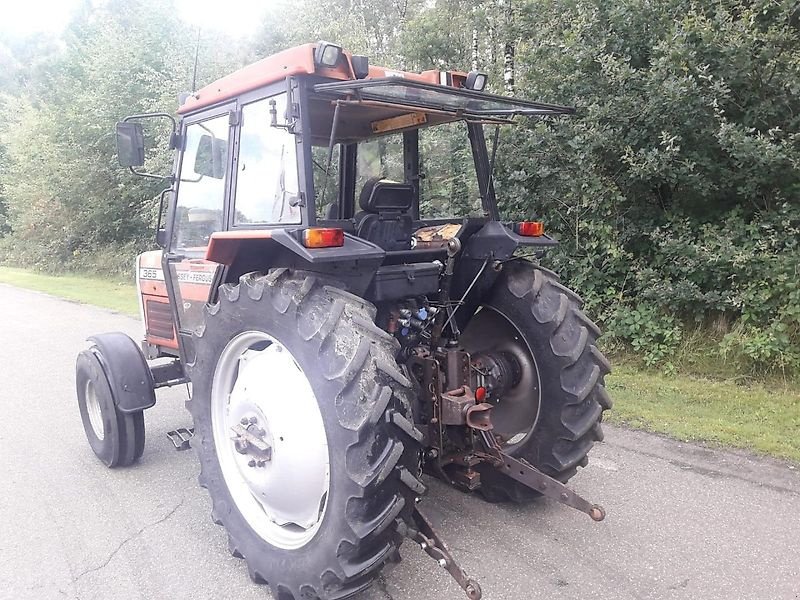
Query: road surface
point(684, 521)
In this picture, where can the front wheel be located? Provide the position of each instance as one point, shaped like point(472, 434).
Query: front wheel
point(116, 438)
point(306, 442)
point(551, 416)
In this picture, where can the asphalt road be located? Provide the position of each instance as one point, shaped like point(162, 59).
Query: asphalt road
point(684, 521)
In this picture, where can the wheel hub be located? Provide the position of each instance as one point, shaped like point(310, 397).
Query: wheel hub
point(505, 365)
point(93, 410)
point(251, 440)
point(270, 439)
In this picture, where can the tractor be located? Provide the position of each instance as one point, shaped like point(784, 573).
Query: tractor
point(337, 287)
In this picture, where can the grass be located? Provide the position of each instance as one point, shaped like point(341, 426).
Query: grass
point(85, 289)
point(762, 416)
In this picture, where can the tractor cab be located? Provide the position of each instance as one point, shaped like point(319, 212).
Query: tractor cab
point(314, 158)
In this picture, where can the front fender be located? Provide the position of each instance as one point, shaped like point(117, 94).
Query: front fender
point(127, 371)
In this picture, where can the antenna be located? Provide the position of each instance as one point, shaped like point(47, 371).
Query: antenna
point(196, 54)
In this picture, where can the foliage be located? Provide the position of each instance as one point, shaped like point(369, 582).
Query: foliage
point(674, 190)
point(118, 295)
point(67, 199)
point(763, 416)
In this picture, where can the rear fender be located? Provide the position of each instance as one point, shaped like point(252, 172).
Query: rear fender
point(484, 253)
point(127, 371)
point(245, 251)
point(497, 242)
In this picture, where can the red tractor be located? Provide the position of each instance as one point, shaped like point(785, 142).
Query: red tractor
point(336, 284)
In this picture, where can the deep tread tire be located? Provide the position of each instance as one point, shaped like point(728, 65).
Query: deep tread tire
point(124, 434)
point(350, 364)
point(571, 376)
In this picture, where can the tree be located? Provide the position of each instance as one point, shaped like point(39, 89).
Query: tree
point(688, 116)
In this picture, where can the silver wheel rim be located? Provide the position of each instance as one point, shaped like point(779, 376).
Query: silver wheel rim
point(93, 410)
point(281, 492)
point(516, 414)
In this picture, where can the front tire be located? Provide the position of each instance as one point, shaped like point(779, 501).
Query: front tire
point(116, 438)
point(361, 405)
point(552, 418)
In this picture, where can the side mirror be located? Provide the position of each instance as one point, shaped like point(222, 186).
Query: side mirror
point(212, 154)
point(130, 144)
point(161, 237)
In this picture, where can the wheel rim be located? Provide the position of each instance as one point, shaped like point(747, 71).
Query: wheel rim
point(93, 410)
point(516, 414)
point(259, 388)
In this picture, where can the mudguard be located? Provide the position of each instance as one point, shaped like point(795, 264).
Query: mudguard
point(243, 251)
point(127, 371)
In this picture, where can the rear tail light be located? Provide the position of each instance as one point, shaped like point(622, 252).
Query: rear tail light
point(531, 228)
point(323, 237)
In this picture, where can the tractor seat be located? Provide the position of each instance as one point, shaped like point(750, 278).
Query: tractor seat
point(384, 218)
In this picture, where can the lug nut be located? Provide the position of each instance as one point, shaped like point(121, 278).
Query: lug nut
point(251, 463)
point(244, 421)
point(253, 420)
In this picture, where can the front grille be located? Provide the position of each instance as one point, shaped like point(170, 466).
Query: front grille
point(159, 319)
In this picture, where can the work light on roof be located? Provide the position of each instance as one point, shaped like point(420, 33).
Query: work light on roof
point(360, 66)
point(476, 81)
point(327, 54)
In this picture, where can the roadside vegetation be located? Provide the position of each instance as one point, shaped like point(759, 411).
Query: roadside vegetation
point(760, 416)
point(675, 190)
point(107, 293)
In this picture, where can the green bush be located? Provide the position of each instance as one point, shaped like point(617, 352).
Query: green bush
point(674, 190)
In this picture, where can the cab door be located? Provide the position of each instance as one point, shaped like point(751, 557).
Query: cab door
point(202, 186)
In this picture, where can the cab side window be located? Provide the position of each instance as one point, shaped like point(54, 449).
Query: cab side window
point(266, 182)
point(201, 188)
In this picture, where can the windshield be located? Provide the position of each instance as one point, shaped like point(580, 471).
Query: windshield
point(448, 184)
point(201, 186)
point(407, 132)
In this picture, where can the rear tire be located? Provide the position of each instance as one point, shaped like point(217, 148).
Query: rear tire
point(570, 369)
point(115, 437)
point(364, 401)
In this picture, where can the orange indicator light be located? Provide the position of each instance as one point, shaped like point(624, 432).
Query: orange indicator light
point(531, 228)
point(323, 237)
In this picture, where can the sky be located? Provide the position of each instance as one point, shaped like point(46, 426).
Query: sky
point(235, 17)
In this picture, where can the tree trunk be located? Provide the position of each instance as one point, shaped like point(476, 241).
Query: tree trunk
point(508, 47)
point(508, 67)
point(475, 48)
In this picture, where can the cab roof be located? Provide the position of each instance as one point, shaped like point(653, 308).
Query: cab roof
point(300, 61)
